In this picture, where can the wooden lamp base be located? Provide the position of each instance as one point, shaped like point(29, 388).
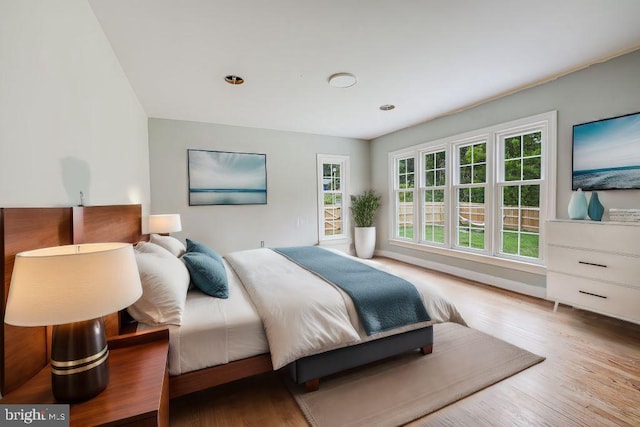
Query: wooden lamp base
point(79, 360)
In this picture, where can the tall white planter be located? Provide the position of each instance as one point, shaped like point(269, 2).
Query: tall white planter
point(365, 241)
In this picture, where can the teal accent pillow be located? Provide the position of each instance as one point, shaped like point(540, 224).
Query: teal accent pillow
point(207, 274)
point(193, 246)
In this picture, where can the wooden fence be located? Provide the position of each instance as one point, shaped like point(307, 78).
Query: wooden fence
point(434, 213)
point(529, 219)
point(332, 220)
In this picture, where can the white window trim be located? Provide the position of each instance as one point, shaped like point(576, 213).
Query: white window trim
point(546, 198)
point(392, 186)
point(421, 186)
point(454, 164)
point(491, 134)
point(345, 178)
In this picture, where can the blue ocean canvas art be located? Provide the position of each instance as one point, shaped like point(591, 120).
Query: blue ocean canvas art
point(606, 154)
point(226, 178)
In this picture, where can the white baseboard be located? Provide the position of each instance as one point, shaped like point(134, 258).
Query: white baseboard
point(343, 245)
point(511, 285)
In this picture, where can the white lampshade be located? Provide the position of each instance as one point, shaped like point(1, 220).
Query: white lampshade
point(74, 283)
point(167, 223)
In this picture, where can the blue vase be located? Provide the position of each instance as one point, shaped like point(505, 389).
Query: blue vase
point(578, 205)
point(595, 209)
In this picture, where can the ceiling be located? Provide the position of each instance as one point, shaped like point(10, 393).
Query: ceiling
point(427, 57)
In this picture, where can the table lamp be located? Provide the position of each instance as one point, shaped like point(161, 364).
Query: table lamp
point(164, 224)
point(72, 287)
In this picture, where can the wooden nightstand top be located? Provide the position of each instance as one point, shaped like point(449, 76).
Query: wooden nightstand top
point(138, 390)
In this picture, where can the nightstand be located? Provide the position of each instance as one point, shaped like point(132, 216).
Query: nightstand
point(138, 390)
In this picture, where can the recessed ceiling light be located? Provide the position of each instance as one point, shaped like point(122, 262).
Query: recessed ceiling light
point(342, 80)
point(387, 107)
point(234, 80)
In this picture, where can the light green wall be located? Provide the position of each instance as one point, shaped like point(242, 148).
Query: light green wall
point(289, 218)
point(603, 90)
point(69, 120)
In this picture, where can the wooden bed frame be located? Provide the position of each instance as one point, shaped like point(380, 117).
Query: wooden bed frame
point(25, 351)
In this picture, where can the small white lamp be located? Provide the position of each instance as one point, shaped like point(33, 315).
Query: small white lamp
point(164, 224)
point(72, 287)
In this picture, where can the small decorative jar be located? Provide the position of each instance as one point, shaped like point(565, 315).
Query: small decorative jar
point(578, 205)
point(595, 208)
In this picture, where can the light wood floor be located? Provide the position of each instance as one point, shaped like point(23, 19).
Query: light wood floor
point(591, 376)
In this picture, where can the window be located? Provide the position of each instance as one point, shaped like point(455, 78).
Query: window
point(333, 182)
point(470, 195)
point(483, 196)
point(519, 183)
point(433, 196)
point(405, 192)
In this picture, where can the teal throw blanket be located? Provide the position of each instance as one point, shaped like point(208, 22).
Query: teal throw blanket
point(383, 301)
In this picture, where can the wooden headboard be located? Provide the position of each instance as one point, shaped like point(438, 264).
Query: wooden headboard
point(24, 351)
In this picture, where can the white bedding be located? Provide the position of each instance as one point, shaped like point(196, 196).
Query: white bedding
point(215, 331)
point(303, 315)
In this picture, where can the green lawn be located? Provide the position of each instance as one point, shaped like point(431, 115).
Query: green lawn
point(477, 239)
point(528, 242)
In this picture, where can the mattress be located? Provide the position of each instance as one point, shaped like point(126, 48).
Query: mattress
point(215, 331)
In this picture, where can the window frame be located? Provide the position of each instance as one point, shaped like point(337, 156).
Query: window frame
point(395, 192)
point(456, 185)
point(343, 161)
point(501, 182)
point(422, 188)
point(547, 124)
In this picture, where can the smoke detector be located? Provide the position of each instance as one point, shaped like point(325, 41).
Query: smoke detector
point(342, 80)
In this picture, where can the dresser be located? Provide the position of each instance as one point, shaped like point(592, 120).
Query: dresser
point(595, 266)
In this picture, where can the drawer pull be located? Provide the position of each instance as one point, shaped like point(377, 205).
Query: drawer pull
point(592, 263)
point(593, 295)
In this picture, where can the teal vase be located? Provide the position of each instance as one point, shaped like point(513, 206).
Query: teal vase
point(578, 205)
point(595, 209)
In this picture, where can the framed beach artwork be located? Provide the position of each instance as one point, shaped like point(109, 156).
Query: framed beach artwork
point(227, 178)
point(606, 154)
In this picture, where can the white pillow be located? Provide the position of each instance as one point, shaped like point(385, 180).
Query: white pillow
point(152, 248)
point(173, 245)
point(165, 281)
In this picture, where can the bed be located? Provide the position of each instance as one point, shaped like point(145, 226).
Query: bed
point(298, 338)
point(237, 348)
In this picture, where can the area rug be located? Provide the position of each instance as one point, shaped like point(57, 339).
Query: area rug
point(410, 386)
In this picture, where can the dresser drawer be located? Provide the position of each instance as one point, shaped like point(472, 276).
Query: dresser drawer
point(597, 265)
point(599, 236)
point(606, 298)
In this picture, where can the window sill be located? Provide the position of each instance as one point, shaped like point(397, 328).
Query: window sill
point(485, 259)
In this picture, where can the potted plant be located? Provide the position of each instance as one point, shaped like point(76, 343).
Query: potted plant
point(363, 209)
